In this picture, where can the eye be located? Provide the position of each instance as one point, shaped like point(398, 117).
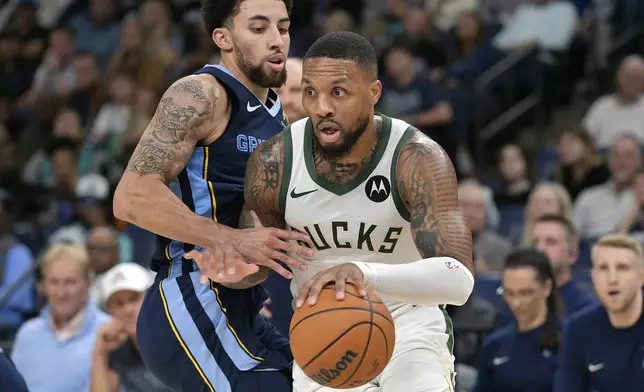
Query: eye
point(338, 92)
point(257, 30)
point(309, 92)
point(283, 31)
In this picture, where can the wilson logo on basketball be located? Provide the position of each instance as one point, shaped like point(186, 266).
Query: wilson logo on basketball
point(325, 376)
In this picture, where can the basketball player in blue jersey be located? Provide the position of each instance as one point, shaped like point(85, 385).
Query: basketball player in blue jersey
point(379, 201)
point(185, 183)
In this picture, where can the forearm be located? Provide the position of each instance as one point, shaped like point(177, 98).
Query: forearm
point(431, 281)
point(100, 381)
point(149, 203)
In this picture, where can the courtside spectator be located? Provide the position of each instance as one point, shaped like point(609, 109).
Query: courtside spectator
point(116, 363)
point(53, 350)
point(602, 347)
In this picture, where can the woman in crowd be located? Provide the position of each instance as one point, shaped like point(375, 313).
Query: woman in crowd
point(580, 165)
point(116, 363)
point(515, 174)
point(522, 356)
point(547, 198)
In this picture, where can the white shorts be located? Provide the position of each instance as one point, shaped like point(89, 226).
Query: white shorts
point(421, 362)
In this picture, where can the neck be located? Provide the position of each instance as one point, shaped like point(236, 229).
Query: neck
point(62, 321)
point(620, 187)
point(260, 92)
point(629, 316)
point(627, 100)
point(406, 79)
point(563, 276)
point(536, 321)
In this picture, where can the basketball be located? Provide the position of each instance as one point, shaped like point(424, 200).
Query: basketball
point(342, 344)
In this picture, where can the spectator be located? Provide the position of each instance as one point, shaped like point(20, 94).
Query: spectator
point(524, 354)
point(103, 250)
point(32, 37)
point(10, 378)
point(602, 209)
point(86, 95)
point(555, 235)
point(116, 364)
point(291, 92)
point(38, 171)
point(53, 351)
point(620, 113)
point(15, 261)
point(15, 78)
point(114, 116)
point(411, 96)
point(132, 59)
point(580, 166)
point(426, 42)
point(338, 20)
point(547, 198)
point(514, 168)
point(545, 24)
point(602, 347)
point(162, 38)
point(490, 248)
point(97, 30)
point(445, 14)
point(633, 221)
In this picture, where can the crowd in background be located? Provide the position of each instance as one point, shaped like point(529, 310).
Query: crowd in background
point(80, 80)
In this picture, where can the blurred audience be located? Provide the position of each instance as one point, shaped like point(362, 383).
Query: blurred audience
point(515, 175)
point(547, 198)
point(601, 209)
point(53, 351)
point(290, 93)
point(622, 112)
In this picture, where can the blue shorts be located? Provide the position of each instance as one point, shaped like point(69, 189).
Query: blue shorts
point(205, 337)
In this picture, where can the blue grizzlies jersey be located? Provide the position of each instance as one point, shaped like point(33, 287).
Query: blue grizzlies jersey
point(212, 183)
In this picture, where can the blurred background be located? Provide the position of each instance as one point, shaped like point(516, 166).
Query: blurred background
point(539, 103)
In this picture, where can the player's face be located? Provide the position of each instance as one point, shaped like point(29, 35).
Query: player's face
point(524, 293)
point(124, 306)
point(260, 41)
point(617, 275)
point(291, 92)
point(551, 238)
point(339, 98)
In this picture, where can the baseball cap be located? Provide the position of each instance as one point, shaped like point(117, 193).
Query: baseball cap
point(126, 276)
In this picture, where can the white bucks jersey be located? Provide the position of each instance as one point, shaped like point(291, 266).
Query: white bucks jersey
point(362, 220)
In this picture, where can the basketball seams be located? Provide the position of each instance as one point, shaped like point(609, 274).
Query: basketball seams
point(334, 341)
point(366, 346)
point(338, 309)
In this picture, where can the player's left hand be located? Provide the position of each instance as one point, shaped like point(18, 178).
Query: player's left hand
point(340, 275)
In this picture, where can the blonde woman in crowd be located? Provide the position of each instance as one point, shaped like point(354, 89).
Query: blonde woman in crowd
point(547, 198)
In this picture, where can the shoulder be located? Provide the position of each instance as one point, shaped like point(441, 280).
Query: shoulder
point(602, 103)
point(19, 250)
point(496, 338)
point(31, 329)
point(588, 194)
point(591, 315)
point(421, 152)
point(199, 87)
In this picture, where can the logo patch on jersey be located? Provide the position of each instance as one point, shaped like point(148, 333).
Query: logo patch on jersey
point(251, 108)
point(378, 189)
point(451, 265)
point(247, 143)
point(296, 195)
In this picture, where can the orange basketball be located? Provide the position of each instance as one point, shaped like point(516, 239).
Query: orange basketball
point(343, 344)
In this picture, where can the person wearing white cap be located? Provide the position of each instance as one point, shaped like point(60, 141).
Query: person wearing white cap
point(116, 363)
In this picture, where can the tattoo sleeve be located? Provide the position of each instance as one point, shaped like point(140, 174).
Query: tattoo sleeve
point(179, 122)
point(263, 180)
point(428, 186)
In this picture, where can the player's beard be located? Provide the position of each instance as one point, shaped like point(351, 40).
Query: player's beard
point(349, 140)
point(256, 73)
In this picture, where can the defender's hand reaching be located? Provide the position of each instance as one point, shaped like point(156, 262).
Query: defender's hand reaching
point(243, 251)
point(340, 274)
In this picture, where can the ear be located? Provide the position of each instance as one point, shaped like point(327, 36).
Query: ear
point(375, 89)
point(574, 254)
point(547, 287)
point(222, 39)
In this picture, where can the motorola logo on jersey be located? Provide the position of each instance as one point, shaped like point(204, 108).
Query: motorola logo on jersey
point(378, 189)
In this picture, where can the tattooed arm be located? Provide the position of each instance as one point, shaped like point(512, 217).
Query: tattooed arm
point(193, 109)
point(427, 185)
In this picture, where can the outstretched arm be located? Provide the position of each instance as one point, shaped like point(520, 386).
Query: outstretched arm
point(428, 187)
point(192, 109)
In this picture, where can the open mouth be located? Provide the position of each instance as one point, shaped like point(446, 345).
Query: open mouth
point(613, 293)
point(277, 61)
point(329, 133)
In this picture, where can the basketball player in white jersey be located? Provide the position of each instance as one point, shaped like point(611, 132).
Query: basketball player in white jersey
point(379, 201)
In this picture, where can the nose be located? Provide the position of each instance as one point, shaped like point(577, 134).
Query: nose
point(276, 40)
point(323, 106)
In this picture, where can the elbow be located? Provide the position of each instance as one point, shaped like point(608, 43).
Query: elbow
point(122, 205)
point(463, 290)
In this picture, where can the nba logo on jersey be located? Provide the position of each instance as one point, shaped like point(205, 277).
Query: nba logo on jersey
point(451, 265)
